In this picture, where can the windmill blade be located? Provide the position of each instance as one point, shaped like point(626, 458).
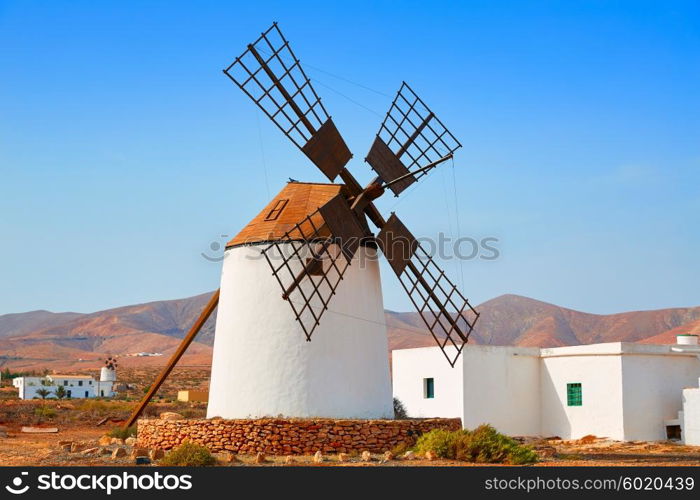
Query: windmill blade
point(445, 311)
point(410, 137)
point(309, 261)
point(271, 75)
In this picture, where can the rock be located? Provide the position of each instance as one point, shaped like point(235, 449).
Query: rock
point(289, 459)
point(3, 433)
point(117, 441)
point(63, 443)
point(388, 456)
point(157, 454)
point(76, 447)
point(118, 453)
point(225, 457)
point(409, 455)
point(139, 452)
point(40, 430)
point(318, 457)
point(130, 441)
point(66, 446)
point(171, 415)
point(260, 458)
point(366, 456)
point(343, 457)
point(430, 455)
point(90, 451)
point(105, 440)
point(105, 451)
point(587, 439)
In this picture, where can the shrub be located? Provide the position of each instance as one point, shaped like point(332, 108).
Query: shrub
point(482, 445)
point(439, 441)
point(45, 412)
point(189, 454)
point(122, 433)
point(400, 412)
point(97, 407)
point(400, 449)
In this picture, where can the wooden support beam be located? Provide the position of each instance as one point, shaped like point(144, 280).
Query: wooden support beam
point(203, 317)
point(418, 171)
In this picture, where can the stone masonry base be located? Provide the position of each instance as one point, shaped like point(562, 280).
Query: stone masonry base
point(275, 436)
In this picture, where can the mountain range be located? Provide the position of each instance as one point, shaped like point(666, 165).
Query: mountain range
point(71, 341)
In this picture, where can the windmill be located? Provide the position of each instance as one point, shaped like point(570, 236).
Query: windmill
point(108, 373)
point(317, 252)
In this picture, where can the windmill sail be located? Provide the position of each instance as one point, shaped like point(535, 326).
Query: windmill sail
point(309, 261)
point(410, 137)
point(445, 311)
point(272, 76)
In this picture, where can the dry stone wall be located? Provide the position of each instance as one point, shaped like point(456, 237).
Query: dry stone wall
point(288, 436)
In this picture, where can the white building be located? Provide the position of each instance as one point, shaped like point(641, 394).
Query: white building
point(74, 386)
point(621, 391)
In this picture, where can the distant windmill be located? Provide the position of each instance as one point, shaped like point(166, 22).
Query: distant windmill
point(108, 373)
point(318, 247)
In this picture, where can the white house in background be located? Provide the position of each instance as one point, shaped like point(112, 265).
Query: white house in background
point(618, 390)
point(75, 386)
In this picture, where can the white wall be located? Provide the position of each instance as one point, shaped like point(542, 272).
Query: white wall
point(410, 366)
point(628, 390)
point(502, 388)
point(262, 364)
point(78, 391)
point(653, 386)
point(104, 389)
point(601, 382)
point(28, 386)
point(691, 416)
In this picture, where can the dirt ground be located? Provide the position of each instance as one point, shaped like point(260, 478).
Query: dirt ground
point(19, 449)
point(77, 422)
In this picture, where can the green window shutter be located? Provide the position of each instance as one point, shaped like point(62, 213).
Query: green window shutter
point(428, 388)
point(574, 396)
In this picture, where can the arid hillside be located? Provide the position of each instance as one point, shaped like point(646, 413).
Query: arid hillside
point(41, 339)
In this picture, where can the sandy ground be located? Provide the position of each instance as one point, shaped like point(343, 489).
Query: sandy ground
point(19, 449)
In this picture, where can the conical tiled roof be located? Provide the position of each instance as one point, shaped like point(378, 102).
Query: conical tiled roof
point(296, 201)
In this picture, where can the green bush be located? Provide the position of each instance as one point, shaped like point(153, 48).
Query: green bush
point(482, 445)
point(189, 455)
point(45, 412)
point(400, 412)
point(122, 433)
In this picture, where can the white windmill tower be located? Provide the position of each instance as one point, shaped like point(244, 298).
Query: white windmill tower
point(312, 244)
point(108, 377)
point(262, 364)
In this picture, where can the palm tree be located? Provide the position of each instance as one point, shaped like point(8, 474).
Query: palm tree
point(43, 393)
point(60, 392)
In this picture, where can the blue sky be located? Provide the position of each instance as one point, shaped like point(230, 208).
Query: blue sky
point(125, 152)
